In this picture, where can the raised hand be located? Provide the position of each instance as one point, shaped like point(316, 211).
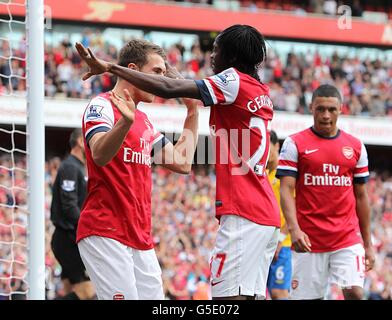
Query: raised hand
point(97, 66)
point(172, 72)
point(125, 106)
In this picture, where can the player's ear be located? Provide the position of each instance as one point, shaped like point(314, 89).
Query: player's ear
point(311, 107)
point(133, 66)
point(340, 107)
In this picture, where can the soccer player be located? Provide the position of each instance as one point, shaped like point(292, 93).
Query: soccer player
point(69, 193)
point(114, 230)
point(279, 277)
point(240, 123)
point(329, 218)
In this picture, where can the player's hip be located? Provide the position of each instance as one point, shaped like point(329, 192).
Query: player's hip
point(241, 257)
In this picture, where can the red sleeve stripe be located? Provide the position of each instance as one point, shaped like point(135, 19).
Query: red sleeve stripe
point(360, 170)
point(217, 91)
point(290, 168)
point(89, 124)
point(287, 163)
point(90, 128)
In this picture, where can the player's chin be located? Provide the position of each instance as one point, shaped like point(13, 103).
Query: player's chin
point(325, 125)
point(326, 128)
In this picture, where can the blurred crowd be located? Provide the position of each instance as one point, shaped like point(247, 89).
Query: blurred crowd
point(328, 7)
point(184, 229)
point(13, 221)
point(365, 84)
point(358, 8)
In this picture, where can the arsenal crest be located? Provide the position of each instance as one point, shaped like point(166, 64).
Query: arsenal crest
point(348, 152)
point(118, 296)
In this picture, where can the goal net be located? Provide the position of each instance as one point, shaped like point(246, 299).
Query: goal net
point(22, 264)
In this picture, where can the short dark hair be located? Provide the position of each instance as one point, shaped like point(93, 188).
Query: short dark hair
point(73, 138)
point(242, 47)
point(136, 51)
point(273, 137)
point(326, 90)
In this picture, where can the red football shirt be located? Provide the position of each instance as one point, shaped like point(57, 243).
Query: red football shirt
point(240, 123)
point(326, 169)
point(118, 204)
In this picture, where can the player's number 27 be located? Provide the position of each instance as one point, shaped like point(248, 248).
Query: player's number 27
point(253, 161)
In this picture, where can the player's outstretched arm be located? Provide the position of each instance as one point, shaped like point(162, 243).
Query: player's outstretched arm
point(161, 86)
point(363, 213)
point(97, 66)
point(299, 239)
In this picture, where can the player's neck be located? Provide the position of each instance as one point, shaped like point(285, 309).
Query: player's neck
point(119, 90)
point(326, 134)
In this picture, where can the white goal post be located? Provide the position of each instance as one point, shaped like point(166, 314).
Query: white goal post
point(35, 149)
point(22, 151)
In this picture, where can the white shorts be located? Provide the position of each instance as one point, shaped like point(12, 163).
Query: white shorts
point(313, 271)
point(241, 258)
point(119, 272)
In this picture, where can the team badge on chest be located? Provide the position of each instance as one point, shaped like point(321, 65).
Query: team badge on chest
point(348, 152)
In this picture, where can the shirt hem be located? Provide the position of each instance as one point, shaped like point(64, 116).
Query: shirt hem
point(349, 244)
point(124, 242)
point(271, 223)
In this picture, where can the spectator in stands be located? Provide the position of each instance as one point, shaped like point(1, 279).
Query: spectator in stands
point(357, 79)
point(356, 9)
point(330, 7)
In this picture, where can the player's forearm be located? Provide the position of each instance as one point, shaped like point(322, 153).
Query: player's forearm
point(109, 143)
point(186, 145)
point(364, 217)
point(287, 202)
point(158, 85)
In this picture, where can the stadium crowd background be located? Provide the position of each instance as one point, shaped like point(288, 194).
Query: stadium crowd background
point(365, 83)
point(184, 227)
point(299, 7)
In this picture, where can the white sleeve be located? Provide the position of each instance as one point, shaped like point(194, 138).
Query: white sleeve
point(221, 88)
point(361, 171)
point(363, 158)
point(98, 117)
point(288, 158)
